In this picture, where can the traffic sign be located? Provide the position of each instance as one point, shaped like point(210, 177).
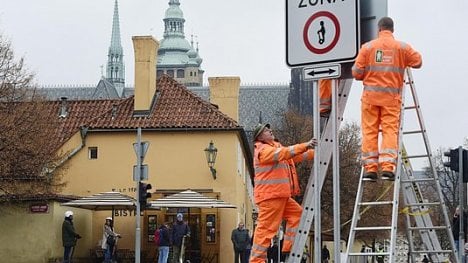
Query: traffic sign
point(320, 32)
point(322, 72)
point(143, 147)
point(142, 174)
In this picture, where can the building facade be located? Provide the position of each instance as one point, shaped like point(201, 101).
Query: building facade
point(97, 137)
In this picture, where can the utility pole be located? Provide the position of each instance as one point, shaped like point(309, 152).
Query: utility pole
point(140, 172)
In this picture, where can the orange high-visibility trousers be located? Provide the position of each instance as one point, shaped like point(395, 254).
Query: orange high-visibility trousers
point(388, 118)
point(270, 214)
point(325, 94)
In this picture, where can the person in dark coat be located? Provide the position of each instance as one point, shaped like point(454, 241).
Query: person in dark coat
point(240, 240)
point(164, 243)
point(325, 254)
point(180, 230)
point(273, 251)
point(69, 237)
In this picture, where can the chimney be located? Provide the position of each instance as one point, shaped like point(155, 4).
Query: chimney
point(63, 107)
point(145, 48)
point(224, 92)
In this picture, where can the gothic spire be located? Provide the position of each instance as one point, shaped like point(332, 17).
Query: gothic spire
point(115, 66)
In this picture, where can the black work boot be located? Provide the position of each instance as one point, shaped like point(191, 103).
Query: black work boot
point(387, 175)
point(370, 176)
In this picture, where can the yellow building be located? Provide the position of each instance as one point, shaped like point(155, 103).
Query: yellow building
point(98, 137)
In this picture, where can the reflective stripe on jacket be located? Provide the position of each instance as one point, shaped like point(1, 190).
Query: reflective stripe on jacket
point(275, 172)
point(381, 65)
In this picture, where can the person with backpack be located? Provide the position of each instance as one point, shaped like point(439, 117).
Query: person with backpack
point(109, 239)
point(162, 239)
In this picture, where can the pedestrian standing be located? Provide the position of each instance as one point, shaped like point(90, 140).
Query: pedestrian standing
point(69, 237)
point(456, 227)
point(276, 182)
point(109, 240)
point(164, 243)
point(325, 254)
point(180, 230)
point(240, 240)
point(381, 65)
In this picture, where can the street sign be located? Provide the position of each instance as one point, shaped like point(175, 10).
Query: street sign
point(322, 72)
point(321, 31)
point(144, 148)
point(142, 175)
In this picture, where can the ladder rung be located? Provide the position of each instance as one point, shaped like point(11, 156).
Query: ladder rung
point(426, 227)
point(415, 156)
point(418, 180)
point(364, 228)
point(412, 132)
point(370, 254)
point(377, 203)
point(410, 107)
point(423, 204)
point(431, 251)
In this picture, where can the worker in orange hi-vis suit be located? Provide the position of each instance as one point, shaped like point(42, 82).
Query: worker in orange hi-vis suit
point(276, 182)
point(381, 65)
point(325, 93)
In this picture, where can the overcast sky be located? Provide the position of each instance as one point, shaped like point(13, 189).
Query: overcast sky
point(66, 42)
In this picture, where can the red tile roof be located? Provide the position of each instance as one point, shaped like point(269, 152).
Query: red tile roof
point(175, 108)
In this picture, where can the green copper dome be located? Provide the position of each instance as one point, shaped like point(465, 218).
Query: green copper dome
point(174, 49)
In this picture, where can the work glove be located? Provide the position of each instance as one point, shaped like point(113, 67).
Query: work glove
point(312, 143)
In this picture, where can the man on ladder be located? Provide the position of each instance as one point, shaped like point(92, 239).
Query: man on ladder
point(381, 65)
point(276, 182)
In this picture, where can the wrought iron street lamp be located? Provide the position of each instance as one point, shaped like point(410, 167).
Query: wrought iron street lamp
point(211, 153)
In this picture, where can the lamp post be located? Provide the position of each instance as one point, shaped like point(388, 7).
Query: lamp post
point(211, 153)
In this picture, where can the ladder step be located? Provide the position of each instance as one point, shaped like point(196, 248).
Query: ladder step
point(430, 251)
point(423, 204)
point(415, 156)
point(412, 132)
point(426, 227)
point(364, 228)
point(370, 254)
point(415, 180)
point(376, 203)
point(410, 107)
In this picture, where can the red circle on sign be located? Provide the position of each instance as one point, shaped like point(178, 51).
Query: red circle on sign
point(305, 34)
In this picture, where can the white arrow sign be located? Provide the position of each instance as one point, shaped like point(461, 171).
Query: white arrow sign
point(322, 72)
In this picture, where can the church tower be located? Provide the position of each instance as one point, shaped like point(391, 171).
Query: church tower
point(115, 72)
point(176, 56)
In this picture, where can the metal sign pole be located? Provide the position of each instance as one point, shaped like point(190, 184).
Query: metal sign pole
point(461, 237)
point(317, 221)
point(336, 173)
point(138, 209)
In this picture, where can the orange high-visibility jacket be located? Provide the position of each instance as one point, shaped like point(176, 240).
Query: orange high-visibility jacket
point(381, 64)
point(325, 93)
point(275, 172)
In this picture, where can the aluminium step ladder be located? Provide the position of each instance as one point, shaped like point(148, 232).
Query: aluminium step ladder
point(326, 149)
point(417, 209)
